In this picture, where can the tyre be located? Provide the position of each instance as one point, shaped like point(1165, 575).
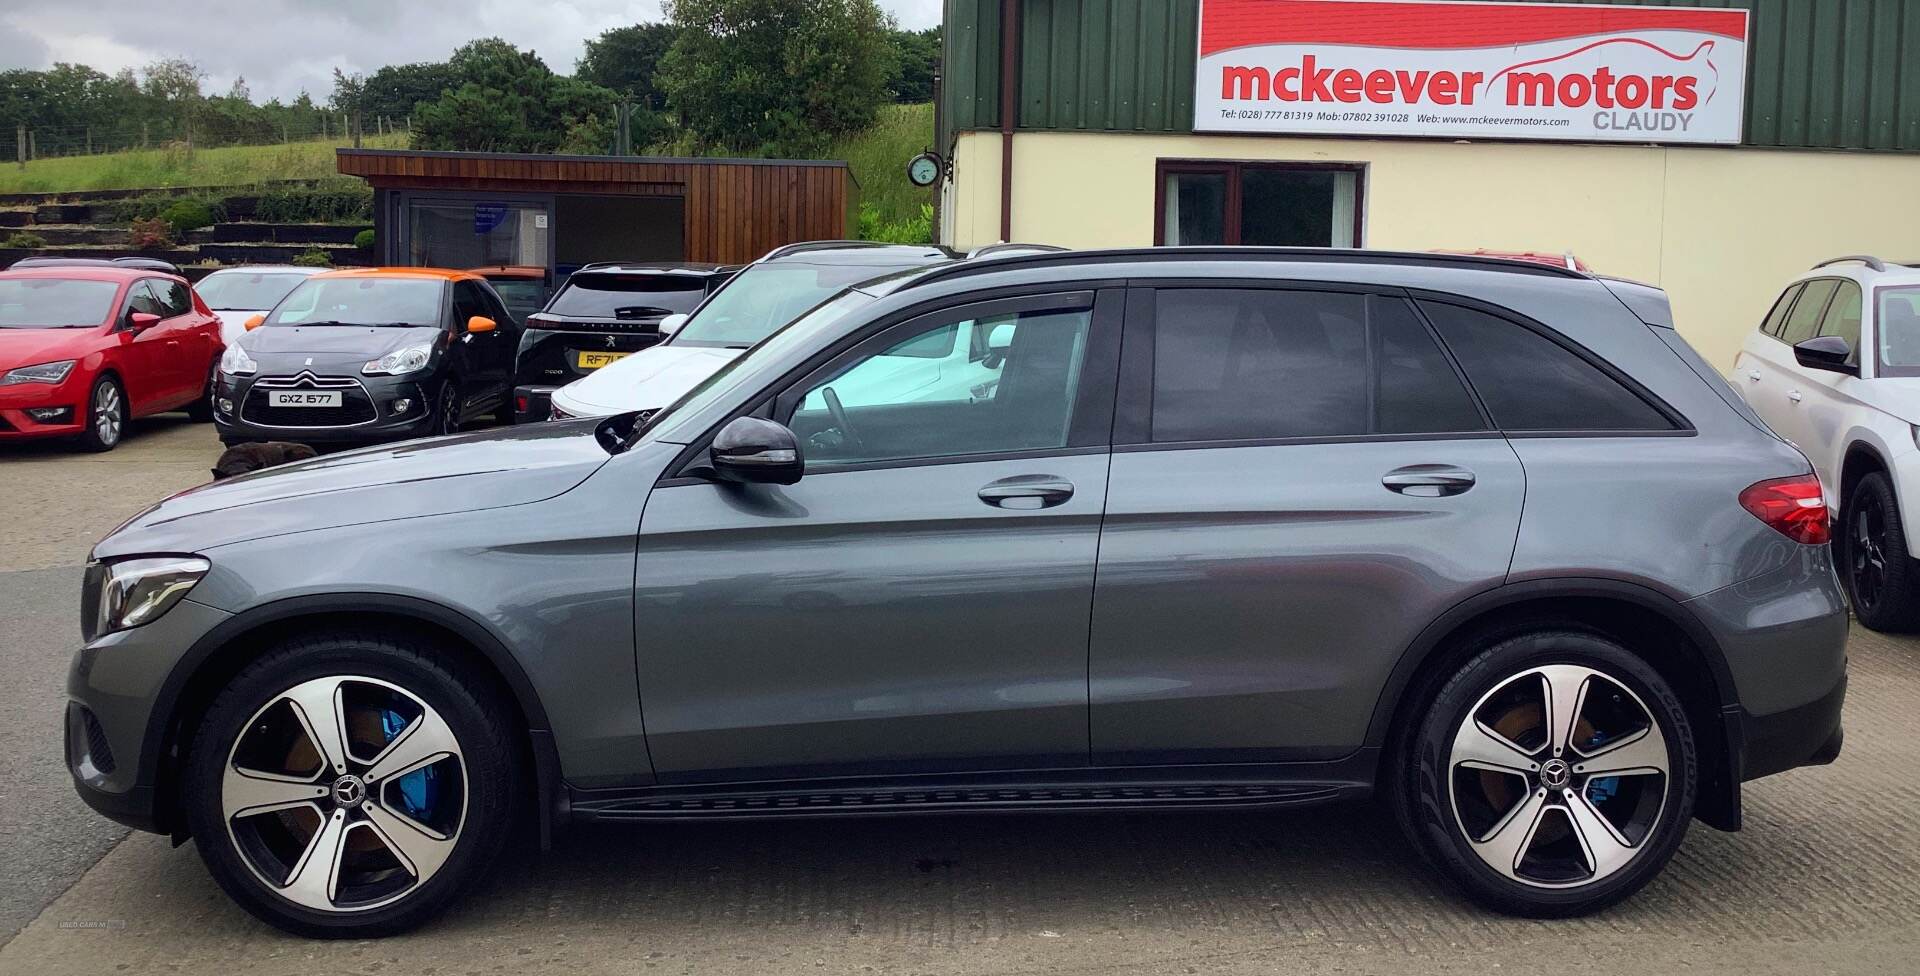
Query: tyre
point(1553, 775)
point(351, 785)
point(106, 415)
point(1874, 559)
point(446, 409)
point(200, 411)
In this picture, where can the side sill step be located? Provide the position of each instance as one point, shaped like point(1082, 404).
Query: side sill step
point(1037, 799)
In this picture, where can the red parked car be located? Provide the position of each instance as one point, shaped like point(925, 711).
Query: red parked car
point(84, 349)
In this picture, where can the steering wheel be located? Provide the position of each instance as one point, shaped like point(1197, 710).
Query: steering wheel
point(840, 419)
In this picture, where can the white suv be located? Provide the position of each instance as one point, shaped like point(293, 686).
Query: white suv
point(1835, 369)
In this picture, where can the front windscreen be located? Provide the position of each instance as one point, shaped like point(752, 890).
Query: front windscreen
point(767, 296)
point(54, 303)
point(361, 301)
point(1899, 326)
point(609, 296)
point(246, 290)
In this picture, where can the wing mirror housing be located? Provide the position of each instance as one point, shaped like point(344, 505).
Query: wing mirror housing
point(672, 323)
point(1829, 353)
point(479, 324)
point(254, 322)
point(142, 321)
point(749, 450)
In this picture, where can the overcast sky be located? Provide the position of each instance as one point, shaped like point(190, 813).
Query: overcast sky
point(284, 46)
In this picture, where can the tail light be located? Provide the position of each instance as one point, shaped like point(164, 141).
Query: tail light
point(1795, 507)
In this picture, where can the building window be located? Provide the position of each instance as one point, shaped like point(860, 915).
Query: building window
point(1272, 204)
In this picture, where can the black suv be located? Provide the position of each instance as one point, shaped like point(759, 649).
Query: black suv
point(603, 313)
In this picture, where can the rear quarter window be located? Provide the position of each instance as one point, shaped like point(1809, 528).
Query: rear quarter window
point(1778, 316)
point(1531, 383)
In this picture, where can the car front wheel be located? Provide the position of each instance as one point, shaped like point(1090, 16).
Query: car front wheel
point(1553, 775)
point(106, 415)
point(350, 786)
point(1874, 558)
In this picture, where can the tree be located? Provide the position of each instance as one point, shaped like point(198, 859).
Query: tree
point(349, 96)
point(508, 100)
point(919, 53)
point(394, 91)
point(626, 59)
point(776, 77)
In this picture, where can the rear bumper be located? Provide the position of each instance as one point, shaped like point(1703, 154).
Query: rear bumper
point(532, 404)
point(1809, 735)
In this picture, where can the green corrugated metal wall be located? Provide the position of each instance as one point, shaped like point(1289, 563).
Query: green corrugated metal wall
point(1824, 74)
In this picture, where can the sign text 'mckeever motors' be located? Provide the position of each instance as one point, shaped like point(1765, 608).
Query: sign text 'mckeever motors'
point(1471, 70)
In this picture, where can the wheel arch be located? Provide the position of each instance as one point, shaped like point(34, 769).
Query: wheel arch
point(1861, 458)
point(223, 651)
point(1637, 616)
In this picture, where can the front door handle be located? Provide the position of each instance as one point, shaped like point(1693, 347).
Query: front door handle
point(1027, 492)
point(1754, 375)
point(1793, 395)
point(1428, 480)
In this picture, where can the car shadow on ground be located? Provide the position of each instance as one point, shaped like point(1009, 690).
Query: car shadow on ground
point(61, 447)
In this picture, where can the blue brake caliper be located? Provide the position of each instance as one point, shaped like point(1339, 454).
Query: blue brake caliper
point(1600, 790)
point(416, 788)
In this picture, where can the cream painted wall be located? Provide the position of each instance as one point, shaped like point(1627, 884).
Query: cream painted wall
point(1721, 229)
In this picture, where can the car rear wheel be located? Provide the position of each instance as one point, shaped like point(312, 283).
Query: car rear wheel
point(200, 411)
point(106, 415)
point(1874, 558)
point(1553, 775)
point(350, 785)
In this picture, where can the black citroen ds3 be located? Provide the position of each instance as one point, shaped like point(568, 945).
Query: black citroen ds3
point(368, 355)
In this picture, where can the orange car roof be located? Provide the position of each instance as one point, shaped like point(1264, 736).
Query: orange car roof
point(447, 274)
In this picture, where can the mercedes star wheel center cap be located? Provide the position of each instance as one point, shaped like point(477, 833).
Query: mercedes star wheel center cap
point(1554, 774)
point(349, 791)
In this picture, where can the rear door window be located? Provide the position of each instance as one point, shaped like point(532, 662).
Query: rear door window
point(1532, 383)
point(1255, 364)
point(1804, 320)
point(1777, 317)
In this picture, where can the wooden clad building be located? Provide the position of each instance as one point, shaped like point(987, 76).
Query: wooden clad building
point(458, 209)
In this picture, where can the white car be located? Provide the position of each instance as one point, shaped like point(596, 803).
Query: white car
point(239, 293)
point(1835, 369)
point(766, 296)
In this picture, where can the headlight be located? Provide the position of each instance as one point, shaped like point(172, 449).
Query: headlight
point(408, 360)
point(236, 362)
point(43, 373)
point(131, 592)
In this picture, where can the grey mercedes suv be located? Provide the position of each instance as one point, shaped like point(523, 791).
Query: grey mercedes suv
point(1219, 529)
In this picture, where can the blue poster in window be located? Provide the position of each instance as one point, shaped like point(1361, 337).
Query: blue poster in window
point(487, 216)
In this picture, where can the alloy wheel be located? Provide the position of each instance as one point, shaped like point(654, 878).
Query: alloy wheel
point(1558, 776)
point(109, 414)
point(344, 793)
point(1867, 552)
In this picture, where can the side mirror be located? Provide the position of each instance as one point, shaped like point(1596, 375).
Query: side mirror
point(1829, 353)
point(479, 324)
point(254, 322)
point(142, 321)
point(672, 323)
point(1001, 338)
point(754, 451)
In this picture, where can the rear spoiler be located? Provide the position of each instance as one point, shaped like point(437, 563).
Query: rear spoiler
point(1645, 301)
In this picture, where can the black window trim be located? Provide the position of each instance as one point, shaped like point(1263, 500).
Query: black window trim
point(1090, 429)
point(1682, 427)
point(1133, 410)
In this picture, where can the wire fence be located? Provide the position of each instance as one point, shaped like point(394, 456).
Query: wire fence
point(21, 144)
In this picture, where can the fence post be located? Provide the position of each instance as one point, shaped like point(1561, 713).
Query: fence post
point(20, 145)
point(89, 140)
point(143, 133)
point(33, 144)
point(324, 134)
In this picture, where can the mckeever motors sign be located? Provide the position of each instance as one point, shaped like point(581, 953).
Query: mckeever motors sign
point(1472, 70)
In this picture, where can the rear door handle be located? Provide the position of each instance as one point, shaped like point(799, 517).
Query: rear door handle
point(1027, 492)
point(1428, 480)
point(1754, 375)
point(1793, 395)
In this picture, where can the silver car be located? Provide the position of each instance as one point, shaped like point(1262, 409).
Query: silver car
point(1229, 529)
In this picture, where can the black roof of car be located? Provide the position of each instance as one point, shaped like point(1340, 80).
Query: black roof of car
point(651, 267)
point(142, 264)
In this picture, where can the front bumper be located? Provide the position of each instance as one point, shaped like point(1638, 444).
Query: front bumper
point(379, 421)
point(120, 691)
point(69, 394)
